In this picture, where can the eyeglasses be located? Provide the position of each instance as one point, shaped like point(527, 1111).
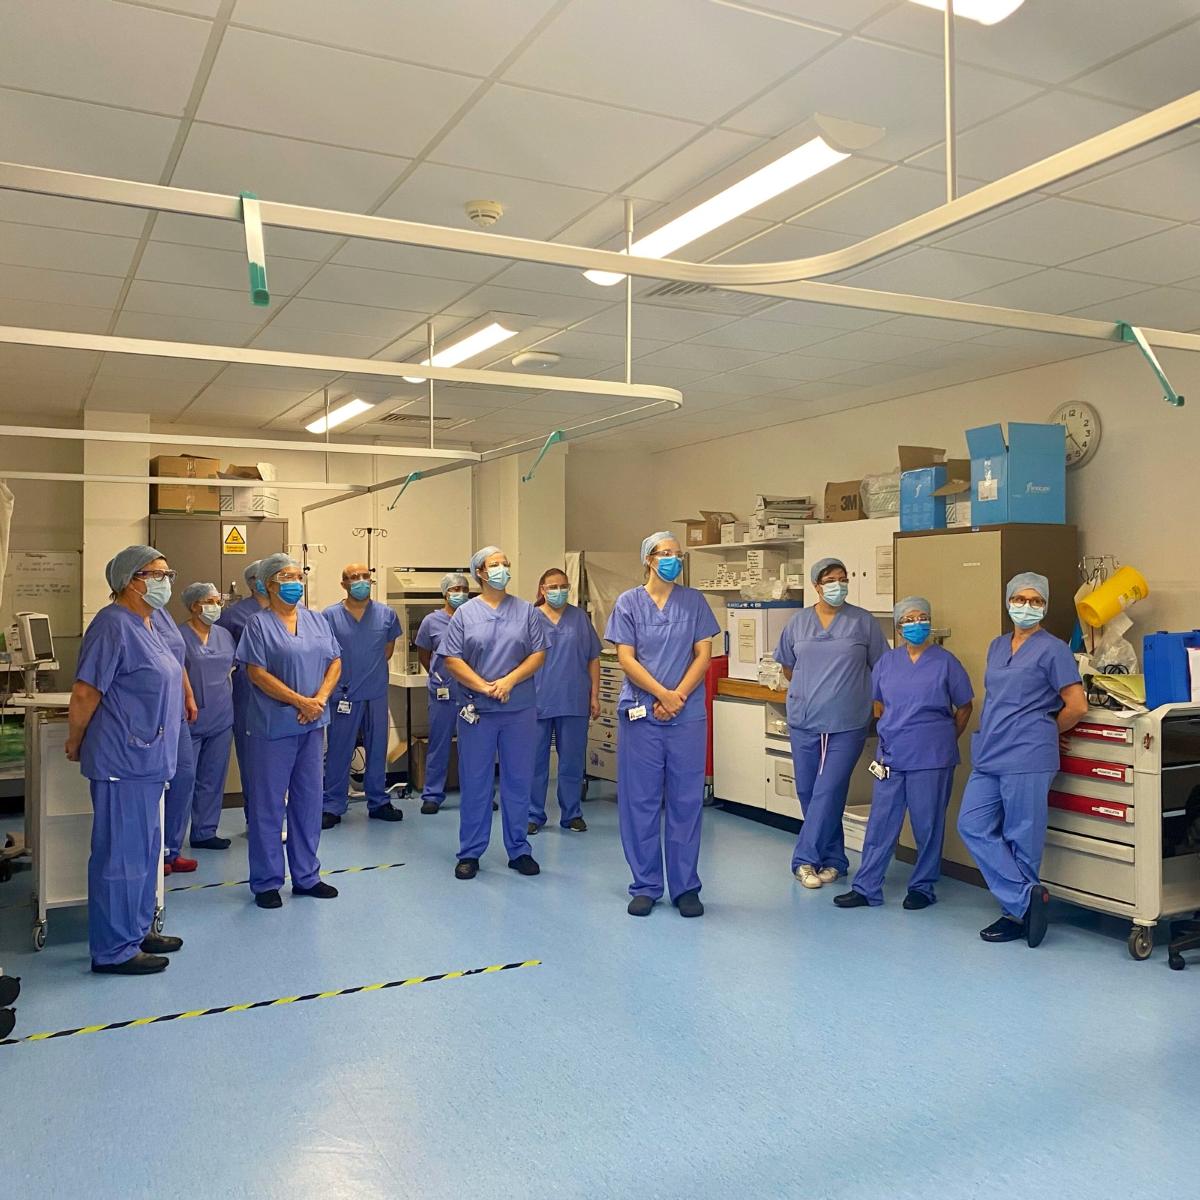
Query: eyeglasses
point(1033, 601)
point(358, 577)
point(664, 553)
point(914, 620)
point(157, 576)
point(289, 577)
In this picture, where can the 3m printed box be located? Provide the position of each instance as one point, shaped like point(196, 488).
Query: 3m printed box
point(1023, 480)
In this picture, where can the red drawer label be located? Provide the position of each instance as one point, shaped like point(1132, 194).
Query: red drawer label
point(1103, 733)
point(1089, 768)
point(1108, 810)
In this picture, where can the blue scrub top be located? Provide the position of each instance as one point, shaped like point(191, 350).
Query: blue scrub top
point(210, 667)
point(134, 733)
point(663, 641)
point(234, 618)
point(429, 637)
point(494, 641)
point(916, 731)
point(564, 684)
point(298, 661)
point(1018, 733)
point(364, 648)
point(830, 691)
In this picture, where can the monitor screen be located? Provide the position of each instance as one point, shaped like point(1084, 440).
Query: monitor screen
point(39, 647)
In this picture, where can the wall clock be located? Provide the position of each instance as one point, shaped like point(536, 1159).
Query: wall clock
point(1082, 423)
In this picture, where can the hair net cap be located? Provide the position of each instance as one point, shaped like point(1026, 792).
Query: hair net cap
point(822, 565)
point(453, 579)
point(650, 542)
point(481, 556)
point(1028, 579)
point(250, 573)
point(911, 604)
point(124, 563)
point(270, 566)
point(195, 592)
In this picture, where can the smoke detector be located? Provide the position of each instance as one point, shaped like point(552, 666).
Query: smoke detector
point(484, 212)
point(538, 360)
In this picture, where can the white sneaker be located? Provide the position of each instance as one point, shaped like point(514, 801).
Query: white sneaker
point(807, 876)
point(829, 874)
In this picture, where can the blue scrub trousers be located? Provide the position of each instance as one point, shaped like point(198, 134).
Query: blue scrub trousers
point(512, 736)
point(177, 810)
point(123, 867)
point(821, 789)
point(371, 717)
point(211, 752)
point(1003, 823)
point(277, 768)
point(660, 779)
point(443, 717)
point(925, 796)
point(570, 740)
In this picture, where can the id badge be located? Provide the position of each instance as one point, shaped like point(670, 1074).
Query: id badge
point(636, 714)
point(443, 693)
point(344, 707)
point(468, 714)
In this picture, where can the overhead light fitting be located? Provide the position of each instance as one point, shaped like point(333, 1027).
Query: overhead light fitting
point(337, 416)
point(986, 12)
point(474, 343)
point(777, 177)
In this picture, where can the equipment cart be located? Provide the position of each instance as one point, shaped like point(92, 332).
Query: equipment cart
point(1115, 838)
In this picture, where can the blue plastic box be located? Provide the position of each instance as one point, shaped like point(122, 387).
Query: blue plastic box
point(919, 507)
point(1023, 480)
point(1165, 663)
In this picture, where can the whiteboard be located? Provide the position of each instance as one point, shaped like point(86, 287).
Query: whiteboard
point(47, 582)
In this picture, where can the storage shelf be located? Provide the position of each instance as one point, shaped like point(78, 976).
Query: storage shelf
point(767, 544)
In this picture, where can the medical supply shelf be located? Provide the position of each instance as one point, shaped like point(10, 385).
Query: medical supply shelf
point(765, 544)
point(1120, 776)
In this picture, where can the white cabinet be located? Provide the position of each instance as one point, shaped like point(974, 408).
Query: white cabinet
point(738, 736)
point(866, 549)
point(780, 791)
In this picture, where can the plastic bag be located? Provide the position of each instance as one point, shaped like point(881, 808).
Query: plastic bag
point(1115, 656)
point(880, 495)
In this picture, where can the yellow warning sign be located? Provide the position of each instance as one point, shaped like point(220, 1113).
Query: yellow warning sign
point(233, 539)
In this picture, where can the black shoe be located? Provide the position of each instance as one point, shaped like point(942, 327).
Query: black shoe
point(689, 905)
point(387, 812)
point(525, 864)
point(157, 943)
point(8, 1020)
point(319, 890)
point(10, 989)
point(1003, 930)
point(495, 806)
point(270, 899)
point(534, 829)
point(640, 906)
point(212, 843)
point(467, 868)
point(851, 899)
point(429, 808)
point(578, 825)
point(329, 820)
point(139, 964)
point(1036, 916)
point(915, 900)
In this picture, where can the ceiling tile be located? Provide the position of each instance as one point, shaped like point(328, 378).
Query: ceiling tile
point(557, 310)
point(604, 225)
point(285, 379)
point(560, 140)
point(67, 287)
point(251, 405)
point(599, 347)
point(162, 397)
point(28, 208)
point(681, 63)
point(168, 262)
point(1159, 308)
point(769, 336)
point(895, 195)
point(348, 345)
point(161, 328)
point(1163, 258)
point(665, 324)
point(230, 235)
point(195, 8)
point(384, 289)
point(193, 372)
point(35, 314)
point(842, 14)
point(37, 360)
point(786, 242)
point(941, 273)
point(878, 373)
point(181, 300)
point(1157, 73)
point(804, 312)
point(559, 281)
point(702, 358)
point(65, 249)
point(933, 327)
point(1167, 186)
point(798, 367)
point(1054, 291)
point(331, 317)
point(871, 346)
point(417, 260)
point(692, 164)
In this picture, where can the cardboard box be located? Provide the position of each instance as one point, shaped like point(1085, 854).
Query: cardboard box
point(707, 530)
point(1021, 481)
point(733, 532)
point(843, 502)
point(250, 502)
point(924, 489)
point(186, 496)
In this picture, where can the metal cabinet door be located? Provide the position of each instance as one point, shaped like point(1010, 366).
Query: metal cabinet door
point(264, 535)
point(192, 545)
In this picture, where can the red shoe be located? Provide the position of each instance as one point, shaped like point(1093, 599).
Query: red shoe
point(166, 868)
point(181, 866)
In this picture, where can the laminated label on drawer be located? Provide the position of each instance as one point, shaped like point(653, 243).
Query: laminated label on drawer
point(1108, 810)
point(1095, 731)
point(1091, 768)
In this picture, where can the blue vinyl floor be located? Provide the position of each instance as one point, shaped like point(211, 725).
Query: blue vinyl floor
point(778, 1047)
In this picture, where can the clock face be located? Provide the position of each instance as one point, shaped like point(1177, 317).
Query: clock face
point(1082, 423)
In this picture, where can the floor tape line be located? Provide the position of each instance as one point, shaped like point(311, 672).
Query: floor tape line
point(200, 887)
point(278, 1002)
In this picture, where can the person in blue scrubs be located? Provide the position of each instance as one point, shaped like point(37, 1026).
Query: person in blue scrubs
point(366, 631)
point(662, 632)
point(123, 726)
point(493, 645)
point(293, 664)
point(827, 653)
point(444, 696)
point(923, 701)
point(234, 619)
point(1032, 697)
point(568, 696)
point(208, 659)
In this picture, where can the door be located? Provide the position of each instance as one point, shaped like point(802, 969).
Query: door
point(738, 736)
point(874, 564)
point(264, 535)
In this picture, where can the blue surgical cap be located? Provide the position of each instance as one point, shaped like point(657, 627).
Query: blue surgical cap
point(1028, 579)
point(122, 565)
point(250, 573)
point(195, 592)
point(822, 565)
point(481, 556)
point(911, 604)
point(649, 543)
point(270, 566)
point(453, 579)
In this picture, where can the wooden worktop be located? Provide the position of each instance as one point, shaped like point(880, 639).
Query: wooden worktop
point(743, 689)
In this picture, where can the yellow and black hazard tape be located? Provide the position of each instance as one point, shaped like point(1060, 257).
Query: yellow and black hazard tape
point(276, 1003)
point(199, 887)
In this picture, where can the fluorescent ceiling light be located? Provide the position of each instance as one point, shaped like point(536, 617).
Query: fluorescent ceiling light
point(352, 408)
point(813, 157)
point(474, 343)
point(986, 12)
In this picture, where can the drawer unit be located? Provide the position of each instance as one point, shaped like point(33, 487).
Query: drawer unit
point(601, 761)
point(1089, 866)
point(608, 707)
point(775, 720)
point(780, 790)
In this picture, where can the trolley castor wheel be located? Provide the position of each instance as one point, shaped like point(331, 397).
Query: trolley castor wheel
point(39, 935)
point(1176, 963)
point(158, 924)
point(1141, 942)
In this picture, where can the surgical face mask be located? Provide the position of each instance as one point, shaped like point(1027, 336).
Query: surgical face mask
point(291, 592)
point(1024, 616)
point(915, 633)
point(158, 592)
point(498, 577)
point(259, 588)
point(360, 589)
point(669, 568)
point(457, 599)
point(557, 597)
point(210, 614)
point(835, 593)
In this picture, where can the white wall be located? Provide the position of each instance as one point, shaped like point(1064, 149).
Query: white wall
point(610, 500)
